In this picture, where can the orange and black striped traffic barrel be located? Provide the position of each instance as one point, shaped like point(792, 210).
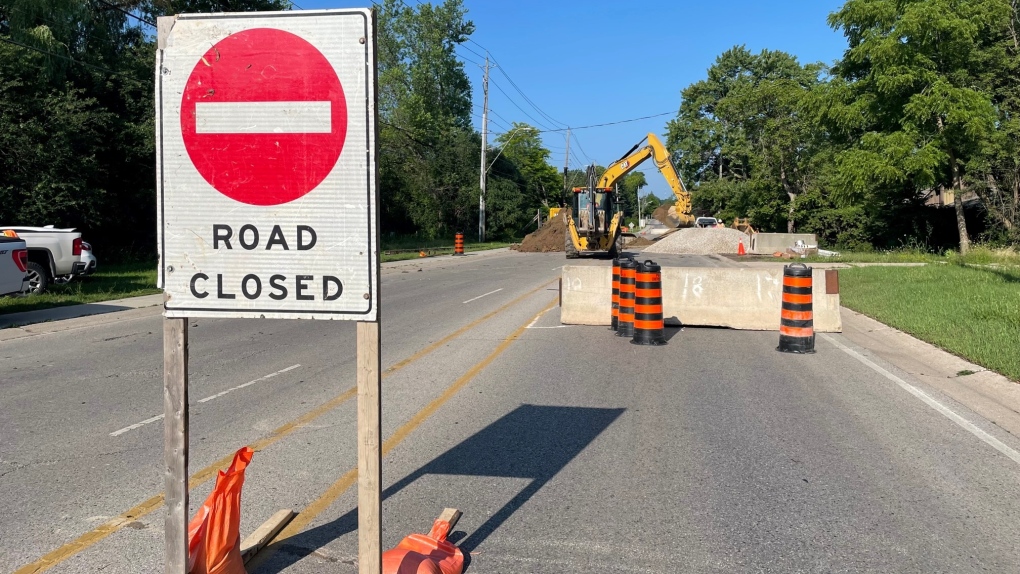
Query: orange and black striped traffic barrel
point(648, 325)
point(625, 325)
point(797, 323)
point(458, 243)
point(614, 322)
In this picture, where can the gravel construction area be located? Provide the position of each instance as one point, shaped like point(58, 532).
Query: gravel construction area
point(700, 241)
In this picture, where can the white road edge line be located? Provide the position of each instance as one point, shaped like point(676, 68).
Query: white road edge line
point(928, 400)
point(207, 399)
point(480, 296)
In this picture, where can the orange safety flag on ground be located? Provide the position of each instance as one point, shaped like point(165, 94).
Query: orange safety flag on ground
point(421, 554)
point(214, 537)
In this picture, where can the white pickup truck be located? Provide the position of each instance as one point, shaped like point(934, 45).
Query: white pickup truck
point(54, 255)
point(13, 265)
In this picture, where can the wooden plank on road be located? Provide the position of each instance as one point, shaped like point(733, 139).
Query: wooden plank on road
point(263, 534)
point(451, 515)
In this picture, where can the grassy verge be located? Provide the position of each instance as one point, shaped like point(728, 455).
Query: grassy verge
point(972, 311)
point(976, 256)
point(112, 282)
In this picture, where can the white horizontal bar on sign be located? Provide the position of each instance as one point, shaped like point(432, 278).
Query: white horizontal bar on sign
point(263, 117)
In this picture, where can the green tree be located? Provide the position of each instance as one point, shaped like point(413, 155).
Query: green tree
point(742, 136)
point(909, 93)
point(539, 181)
point(76, 116)
point(154, 8)
point(649, 203)
point(427, 166)
point(994, 172)
point(630, 187)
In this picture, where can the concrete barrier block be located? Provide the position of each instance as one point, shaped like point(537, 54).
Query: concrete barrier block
point(769, 243)
point(739, 298)
point(587, 293)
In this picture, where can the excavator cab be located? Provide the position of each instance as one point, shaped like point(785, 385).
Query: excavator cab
point(595, 215)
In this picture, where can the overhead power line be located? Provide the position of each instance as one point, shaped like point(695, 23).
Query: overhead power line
point(120, 9)
point(531, 117)
point(581, 149)
point(466, 59)
point(541, 112)
point(55, 55)
point(470, 50)
point(612, 123)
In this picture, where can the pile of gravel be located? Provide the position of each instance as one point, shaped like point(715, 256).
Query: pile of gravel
point(700, 241)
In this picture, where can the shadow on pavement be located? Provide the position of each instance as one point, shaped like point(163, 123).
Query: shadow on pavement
point(58, 313)
point(532, 441)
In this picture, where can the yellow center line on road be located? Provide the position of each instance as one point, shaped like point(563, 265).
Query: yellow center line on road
point(118, 522)
point(319, 505)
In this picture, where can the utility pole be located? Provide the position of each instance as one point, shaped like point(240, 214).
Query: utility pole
point(566, 168)
point(485, 137)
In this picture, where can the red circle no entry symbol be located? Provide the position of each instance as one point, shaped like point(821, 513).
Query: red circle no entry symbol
point(263, 117)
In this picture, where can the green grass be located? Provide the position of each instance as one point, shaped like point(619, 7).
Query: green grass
point(970, 310)
point(112, 282)
point(978, 255)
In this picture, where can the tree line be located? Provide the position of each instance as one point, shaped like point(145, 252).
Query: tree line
point(924, 103)
point(77, 128)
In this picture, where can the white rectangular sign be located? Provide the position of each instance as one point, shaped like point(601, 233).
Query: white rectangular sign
point(266, 165)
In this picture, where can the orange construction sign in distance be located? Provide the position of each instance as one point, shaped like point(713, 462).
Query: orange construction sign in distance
point(427, 554)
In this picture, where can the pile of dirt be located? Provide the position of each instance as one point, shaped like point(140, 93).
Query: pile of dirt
point(547, 239)
point(639, 242)
point(700, 241)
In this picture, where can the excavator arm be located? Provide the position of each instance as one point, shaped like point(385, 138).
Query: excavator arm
point(655, 150)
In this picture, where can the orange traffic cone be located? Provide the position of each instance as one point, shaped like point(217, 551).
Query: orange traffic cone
point(432, 554)
point(740, 248)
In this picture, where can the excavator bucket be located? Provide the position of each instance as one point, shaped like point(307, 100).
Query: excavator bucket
point(671, 219)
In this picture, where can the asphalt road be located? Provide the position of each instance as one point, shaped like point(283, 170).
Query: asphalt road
point(567, 449)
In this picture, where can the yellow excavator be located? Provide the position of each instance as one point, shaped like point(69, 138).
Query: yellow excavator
point(594, 221)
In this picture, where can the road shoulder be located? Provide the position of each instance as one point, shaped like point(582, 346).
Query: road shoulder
point(986, 392)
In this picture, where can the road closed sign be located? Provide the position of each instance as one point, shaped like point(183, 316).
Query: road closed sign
point(266, 165)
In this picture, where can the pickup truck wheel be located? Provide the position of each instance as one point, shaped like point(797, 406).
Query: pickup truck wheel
point(38, 278)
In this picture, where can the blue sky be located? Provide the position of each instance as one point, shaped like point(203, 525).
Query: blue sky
point(599, 61)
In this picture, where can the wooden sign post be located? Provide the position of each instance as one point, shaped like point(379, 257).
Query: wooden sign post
point(175, 443)
point(369, 450)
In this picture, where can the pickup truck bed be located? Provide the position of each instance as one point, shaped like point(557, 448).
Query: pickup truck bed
point(52, 253)
point(13, 258)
